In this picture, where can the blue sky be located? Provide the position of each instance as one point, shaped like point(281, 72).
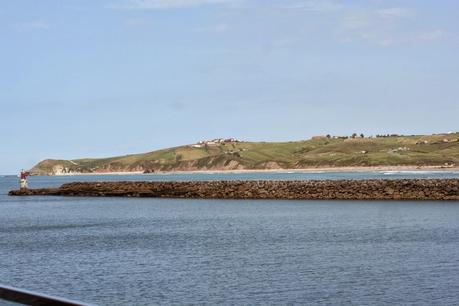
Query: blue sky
point(110, 77)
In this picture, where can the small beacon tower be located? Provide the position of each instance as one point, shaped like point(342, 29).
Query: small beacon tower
point(23, 179)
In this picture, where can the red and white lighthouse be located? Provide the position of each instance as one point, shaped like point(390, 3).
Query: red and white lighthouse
point(23, 179)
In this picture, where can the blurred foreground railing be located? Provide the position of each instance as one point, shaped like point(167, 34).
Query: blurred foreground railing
point(27, 297)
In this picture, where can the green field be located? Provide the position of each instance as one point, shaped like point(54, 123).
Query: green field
point(418, 150)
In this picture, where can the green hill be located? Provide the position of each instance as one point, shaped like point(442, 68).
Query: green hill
point(420, 150)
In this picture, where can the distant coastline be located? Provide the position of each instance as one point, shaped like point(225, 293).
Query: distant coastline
point(320, 153)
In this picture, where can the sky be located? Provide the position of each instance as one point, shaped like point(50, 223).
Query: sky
point(100, 78)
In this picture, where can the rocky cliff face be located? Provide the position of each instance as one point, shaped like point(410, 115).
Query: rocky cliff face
point(54, 167)
point(214, 163)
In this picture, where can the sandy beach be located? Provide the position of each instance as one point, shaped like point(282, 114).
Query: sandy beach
point(303, 170)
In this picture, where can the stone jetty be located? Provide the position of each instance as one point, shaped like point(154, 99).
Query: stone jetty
point(377, 189)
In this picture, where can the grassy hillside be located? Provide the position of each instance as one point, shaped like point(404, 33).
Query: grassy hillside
point(422, 150)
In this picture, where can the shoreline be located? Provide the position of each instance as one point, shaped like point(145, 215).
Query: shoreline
point(303, 170)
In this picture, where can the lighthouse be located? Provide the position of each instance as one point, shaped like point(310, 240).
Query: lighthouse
point(23, 179)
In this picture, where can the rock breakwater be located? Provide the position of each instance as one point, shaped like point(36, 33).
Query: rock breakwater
point(405, 189)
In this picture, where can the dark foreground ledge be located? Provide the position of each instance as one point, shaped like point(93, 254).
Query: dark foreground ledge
point(407, 189)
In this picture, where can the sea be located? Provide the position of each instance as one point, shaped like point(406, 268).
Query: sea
point(148, 251)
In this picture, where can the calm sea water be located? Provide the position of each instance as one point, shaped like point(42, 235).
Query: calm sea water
point(114, 251)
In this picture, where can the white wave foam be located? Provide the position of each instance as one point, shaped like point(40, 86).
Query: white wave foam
point(414, 172)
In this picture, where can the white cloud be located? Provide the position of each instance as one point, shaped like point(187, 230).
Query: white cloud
point(313, 5)
point(168, 4)
point(355, 21)
point(349, 22)
point(37, 24)
point(218, 28)
point(432, 35)
point(32, 25)
point(394, 12)
point(137, 22)
point(383, 27)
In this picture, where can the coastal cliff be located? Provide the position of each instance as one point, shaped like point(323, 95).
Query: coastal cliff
point(406, 189)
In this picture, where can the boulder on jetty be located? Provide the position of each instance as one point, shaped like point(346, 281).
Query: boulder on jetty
point(377, 189)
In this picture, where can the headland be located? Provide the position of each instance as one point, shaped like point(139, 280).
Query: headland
point(320, 153)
